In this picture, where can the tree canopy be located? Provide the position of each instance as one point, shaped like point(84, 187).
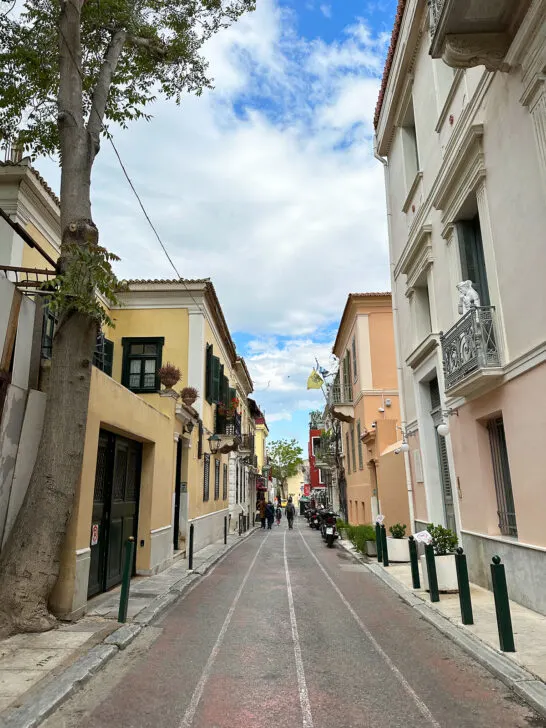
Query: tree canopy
point(285, 457)
point(131, 52)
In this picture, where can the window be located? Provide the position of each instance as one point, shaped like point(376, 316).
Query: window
point(444, 76)
point(141, 360)
point(347, 384)
point(208, 374)
point(503, 481)
point(409, 146)
point(206, 476)
point(421, 310)
point(355, 373)
point(316, 446)
point(216, 478)
point(320, 476)
point(353, 457)
point(225, 483)
point(348, 453)
point(48, 329)
point(360, 460)
point(472, 257)
point(103, 356)
point(200, 441)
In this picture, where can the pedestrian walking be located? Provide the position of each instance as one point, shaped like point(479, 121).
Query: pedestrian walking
point(290, 513)
point(262, 507)
point(270, 514)
point(278, 515)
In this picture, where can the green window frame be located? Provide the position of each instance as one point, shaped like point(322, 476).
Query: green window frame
point(216, 479)
point(206, 477)
point(225, 483)
point(215, 379)
point(142, 357)
point(48, 331)
point(103, 357)
point(360, 458)
point(355, 372)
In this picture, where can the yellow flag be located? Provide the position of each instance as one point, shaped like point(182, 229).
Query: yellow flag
point(315, 381)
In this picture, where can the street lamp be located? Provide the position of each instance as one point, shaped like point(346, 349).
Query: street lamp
point(214, 443)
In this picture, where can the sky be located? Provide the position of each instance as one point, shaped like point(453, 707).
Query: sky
point(266, 184)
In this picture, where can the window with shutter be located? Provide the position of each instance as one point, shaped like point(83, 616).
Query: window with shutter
point(200, 440)
point(215, 379)
point(347, 450)
point(208, 374)
point(206, 476)
point(141, 361)
point(472, 258)
point(506, 509)
point(216, 478)
point(360, 459)
point(353, 455)
point(355, 374)
point(225, 483)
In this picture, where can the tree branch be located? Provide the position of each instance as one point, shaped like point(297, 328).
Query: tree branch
point(151, 44)
point(102, 87)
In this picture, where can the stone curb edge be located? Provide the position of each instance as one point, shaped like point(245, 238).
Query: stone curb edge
point(53, 695)
point(522, 682)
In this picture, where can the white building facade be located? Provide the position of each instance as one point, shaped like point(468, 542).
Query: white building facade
point(461, 131)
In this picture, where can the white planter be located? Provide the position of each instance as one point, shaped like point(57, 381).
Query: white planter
point(398, 549)
point(446, 572)
point(371, 548)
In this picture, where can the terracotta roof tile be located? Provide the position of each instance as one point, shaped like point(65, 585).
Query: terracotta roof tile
point(145, 281)
point(390, 56)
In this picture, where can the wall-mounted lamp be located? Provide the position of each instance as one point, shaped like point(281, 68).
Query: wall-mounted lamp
point(214, 443)
point(443, 427)
point(188, 427)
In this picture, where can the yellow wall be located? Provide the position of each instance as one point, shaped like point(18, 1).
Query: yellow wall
point(32, 258)
point(115, 408)
point(261, 435)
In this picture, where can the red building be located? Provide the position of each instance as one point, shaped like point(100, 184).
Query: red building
point(316, 477)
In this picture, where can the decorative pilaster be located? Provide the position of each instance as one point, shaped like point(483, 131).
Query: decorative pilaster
point(535, 100)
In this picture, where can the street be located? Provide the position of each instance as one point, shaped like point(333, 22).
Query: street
point(286, 632)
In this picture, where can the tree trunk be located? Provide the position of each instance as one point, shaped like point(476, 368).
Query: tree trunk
point(29, 563)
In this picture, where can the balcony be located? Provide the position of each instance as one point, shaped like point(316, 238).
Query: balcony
point(246, 445)
point(229, 430)
point(467, 34)
point(470, 352)
point(340, 402)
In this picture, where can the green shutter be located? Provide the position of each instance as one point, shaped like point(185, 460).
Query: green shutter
point(208, 374)
point(215, 379)
point(225, 391)
point(108, 356)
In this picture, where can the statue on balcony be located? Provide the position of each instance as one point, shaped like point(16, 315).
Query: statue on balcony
point(468, 297)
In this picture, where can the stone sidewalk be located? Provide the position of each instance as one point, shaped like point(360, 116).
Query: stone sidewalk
point(524, 670)
point(39, 671)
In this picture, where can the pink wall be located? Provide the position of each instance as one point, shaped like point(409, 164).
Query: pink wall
point(522, 403)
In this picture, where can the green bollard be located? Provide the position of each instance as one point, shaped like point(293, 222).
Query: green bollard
point(225, 530)
point(502, 606)
point(384, 548)
point(431, 571)
point(414, 559)
point(378, 542)
point(126, 579)
point(464, 587)
point(190, 554)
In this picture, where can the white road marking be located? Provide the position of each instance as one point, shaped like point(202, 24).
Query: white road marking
point(189, 715)
point(302, 685)
point(423, 709)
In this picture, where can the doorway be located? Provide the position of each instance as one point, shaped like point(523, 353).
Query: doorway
point(115, 508)
point(443, 462)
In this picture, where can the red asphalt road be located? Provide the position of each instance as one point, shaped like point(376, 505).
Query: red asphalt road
point(229, 655)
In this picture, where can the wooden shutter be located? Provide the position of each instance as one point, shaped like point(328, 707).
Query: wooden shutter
point(200, 441)
point(216, 478)
point(354, 357)
point(215, 379)
point(206, 477)
point(108, 357)
point(208, 374)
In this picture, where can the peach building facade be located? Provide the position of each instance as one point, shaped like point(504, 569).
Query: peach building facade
point(364, 398)
point(461, 132)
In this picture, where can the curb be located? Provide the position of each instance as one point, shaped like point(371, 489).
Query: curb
point(517, 678)
point(53, 695)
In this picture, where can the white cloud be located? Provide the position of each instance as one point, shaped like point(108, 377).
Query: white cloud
point(326, 10)
point(267, 185)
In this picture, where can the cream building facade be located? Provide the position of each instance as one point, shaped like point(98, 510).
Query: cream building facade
point(461, 131)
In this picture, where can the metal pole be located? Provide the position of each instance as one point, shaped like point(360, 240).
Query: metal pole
point(414, 559)
point(126, 579)
point(431, 571)
point(378, 542)
point(190, 555)
point(464, 587)
point(502, 606)
point(225, 530)
point(384, 546)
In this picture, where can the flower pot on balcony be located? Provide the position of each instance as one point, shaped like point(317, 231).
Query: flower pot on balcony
point(446, 572)
point(169, 375)
point(189, 395)
point(398, 549)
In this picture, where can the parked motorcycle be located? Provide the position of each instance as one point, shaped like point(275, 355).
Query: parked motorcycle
point(314, 521)
point(328, 527)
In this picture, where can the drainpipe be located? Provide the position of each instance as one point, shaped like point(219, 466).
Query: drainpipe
point(409, 484)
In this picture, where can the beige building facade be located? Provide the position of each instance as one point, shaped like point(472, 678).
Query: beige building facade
point(461, 131)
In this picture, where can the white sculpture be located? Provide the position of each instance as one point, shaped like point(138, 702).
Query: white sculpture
point(468, 296)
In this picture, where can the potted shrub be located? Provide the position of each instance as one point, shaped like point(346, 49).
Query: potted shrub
point(397, 543)
point(189, 395)
point(169, 375)
point(444, 541)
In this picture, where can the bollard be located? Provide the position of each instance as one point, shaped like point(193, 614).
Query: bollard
point(190, 553)
point(502, 606)
point(245, 522)
point(225, 530)
point(126, 579)
point(431, 572)
point(378, 542)
point(240, 524)
point(414, 563)
point(464, 587)
point(384, 548)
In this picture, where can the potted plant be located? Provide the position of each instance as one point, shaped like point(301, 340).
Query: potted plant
point(397, 543)
point(444, 542)
point(189, 395)
point(169, 375)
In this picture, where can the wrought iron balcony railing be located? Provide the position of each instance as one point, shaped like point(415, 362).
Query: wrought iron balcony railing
point(230, 426)
point(470, 345)
point(247, 444)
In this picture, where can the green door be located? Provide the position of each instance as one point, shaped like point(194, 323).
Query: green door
point(115, 508)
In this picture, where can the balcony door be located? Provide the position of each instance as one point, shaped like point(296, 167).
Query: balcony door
point(472, 258)
point(443, 462)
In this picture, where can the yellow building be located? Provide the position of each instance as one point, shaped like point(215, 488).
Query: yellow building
point(364, 397)
point(153, 463)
